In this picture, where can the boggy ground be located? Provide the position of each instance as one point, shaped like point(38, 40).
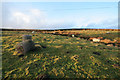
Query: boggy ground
point(60, 57)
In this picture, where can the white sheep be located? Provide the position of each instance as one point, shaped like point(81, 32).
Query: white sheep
point(33, 31)
point(107, 32)
point(73, 35)
point(96, 40)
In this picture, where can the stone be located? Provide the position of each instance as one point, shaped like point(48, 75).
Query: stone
point(26, 45)
point(27, 37)
point(23, 47)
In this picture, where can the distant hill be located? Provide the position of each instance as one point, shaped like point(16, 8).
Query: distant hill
point(3, 29)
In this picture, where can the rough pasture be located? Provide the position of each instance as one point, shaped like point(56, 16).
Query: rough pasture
point(59, 57)
point(106, 37)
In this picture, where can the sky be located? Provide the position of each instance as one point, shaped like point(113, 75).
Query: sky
point(59, 15)
point(60, 0)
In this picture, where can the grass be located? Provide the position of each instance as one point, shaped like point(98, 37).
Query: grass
point(96, 33)
point(62, 57)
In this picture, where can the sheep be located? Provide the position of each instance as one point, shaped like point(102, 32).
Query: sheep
point(107, 32)
point(96, 40)
point(33, 31)
point(91, 39)
point(53, 32)
point(73, 35)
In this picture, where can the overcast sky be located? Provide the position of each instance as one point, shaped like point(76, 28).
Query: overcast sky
point(59, 15)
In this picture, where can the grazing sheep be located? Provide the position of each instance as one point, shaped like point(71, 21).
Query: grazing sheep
point(107, 32)
point(91, 39)
point(73, 35)
point(99, 38)
point(33, 31)
point(53, 32)
point(96, 40)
